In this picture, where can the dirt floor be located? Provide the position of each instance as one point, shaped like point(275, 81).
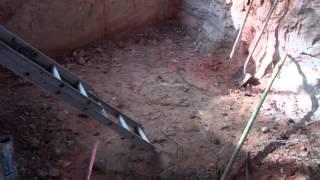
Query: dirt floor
point(188, 102)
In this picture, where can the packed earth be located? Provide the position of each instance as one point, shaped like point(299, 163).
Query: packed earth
point(189, 103)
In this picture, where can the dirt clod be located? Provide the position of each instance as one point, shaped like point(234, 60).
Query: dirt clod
point(264, 129)
point(42, 172)
point(54, 172)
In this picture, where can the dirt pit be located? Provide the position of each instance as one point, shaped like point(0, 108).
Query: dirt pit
point(190, 106)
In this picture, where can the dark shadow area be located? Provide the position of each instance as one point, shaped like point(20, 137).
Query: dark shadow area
point(285, 170)
point(311, 90)
point(209, 23)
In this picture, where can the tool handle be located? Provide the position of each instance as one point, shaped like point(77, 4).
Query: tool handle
point(240, 32)
point(259, 37)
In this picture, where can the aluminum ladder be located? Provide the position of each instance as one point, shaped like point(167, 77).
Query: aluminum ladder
point(33, 65)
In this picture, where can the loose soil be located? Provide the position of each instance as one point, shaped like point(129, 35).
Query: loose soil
point(188, 102)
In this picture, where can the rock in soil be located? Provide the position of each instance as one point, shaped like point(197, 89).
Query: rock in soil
point(264, 129)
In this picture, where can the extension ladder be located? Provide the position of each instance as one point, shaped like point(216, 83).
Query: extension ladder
point(33, 65)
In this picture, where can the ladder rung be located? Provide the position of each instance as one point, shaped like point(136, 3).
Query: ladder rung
point(82, 90)
point(55, 72)
point(143, 136)
point(103, 111)
point(112, 110)
point(123, 123)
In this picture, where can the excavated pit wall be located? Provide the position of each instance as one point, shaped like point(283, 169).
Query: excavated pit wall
point(293, 28)
point(60, 25)
point(209, 23)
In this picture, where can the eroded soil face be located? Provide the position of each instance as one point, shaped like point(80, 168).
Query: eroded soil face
point(189, 104)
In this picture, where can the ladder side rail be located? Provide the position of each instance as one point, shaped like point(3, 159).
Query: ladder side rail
point(114, 111)
point(20, 65)
point(36, 74)
point(17, 43)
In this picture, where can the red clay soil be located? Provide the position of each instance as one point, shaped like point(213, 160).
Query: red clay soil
point(188, 102)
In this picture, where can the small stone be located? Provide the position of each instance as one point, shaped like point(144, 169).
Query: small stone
point(65, 164)
point(99, 50)
point(99, 165)
point(299, 176)
point(81, 53)
point(212, 166)
point(185, 89)
point(291, 121)
point(248, 93)
point(224, 114)
point(74, 53)
point(81, 115)
point(81, 60)
point(58, 151)
point(225, 127)
point(216, 141)
point(192, 128)
point(165, 103)
point(284, 137)
point(34, 142)
point(22, 169)
point(46, 106)
point(236, 91)
point(264, 129)
point(42, 172)
point(177, 81)
point(121, 44)
point(192, 116)
point(61, 115)
point(160, 79)
point(22, 103)
point(54, 172)
point(108, 141)
point(96, 134)
point(303, 148)
point(159, 140)
point(184, 103)
point(243, 88)
point(137, 159)
point(304, 153)
point(69, 66)
point(32, 126)
point(70, 142)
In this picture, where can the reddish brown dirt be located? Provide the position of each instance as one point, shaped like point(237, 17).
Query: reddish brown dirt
point(191, 108)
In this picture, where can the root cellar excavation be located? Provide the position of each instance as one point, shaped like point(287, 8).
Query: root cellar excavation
point(165, 65)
